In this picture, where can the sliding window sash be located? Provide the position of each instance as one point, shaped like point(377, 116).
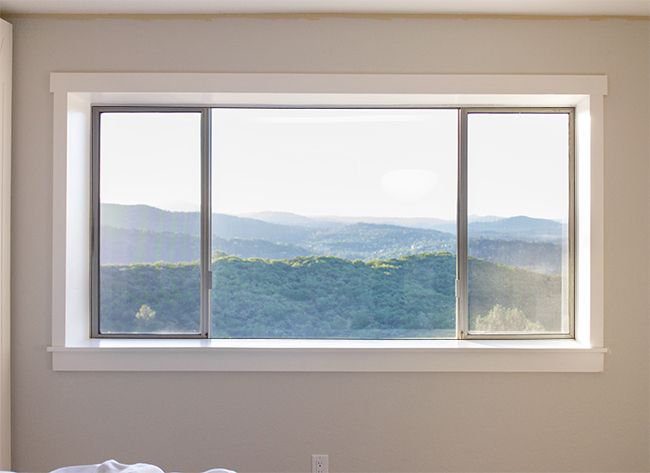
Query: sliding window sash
point(462, 292)
point(206, 219)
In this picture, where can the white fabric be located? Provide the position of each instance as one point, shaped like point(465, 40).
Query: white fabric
point(219, 470)
point(112, 466)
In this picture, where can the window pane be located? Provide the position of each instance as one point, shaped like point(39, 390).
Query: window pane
point(150, 175)
point(518, 207)
point(334, 223)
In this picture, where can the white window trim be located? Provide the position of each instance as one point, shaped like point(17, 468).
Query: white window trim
point(74, 93)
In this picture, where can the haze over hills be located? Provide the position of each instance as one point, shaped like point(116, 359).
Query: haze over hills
point(142, 234)
point(126, 246)
point(287, 218)
point(285, 226)
point(144, 217)
point(516, 228)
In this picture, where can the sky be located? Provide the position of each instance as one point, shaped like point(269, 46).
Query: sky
point(338, 162)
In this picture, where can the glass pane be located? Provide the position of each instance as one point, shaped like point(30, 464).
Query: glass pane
point(150, 194)
point(334, 223)
point(518, 237)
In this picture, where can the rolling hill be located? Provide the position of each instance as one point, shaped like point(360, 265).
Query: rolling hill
point(146, 218)
point(321, 297)
point(141, 234)
point(122, 246)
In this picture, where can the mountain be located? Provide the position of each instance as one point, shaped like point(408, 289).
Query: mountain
point(284, 227)
point(374, 241)
point(126, 246)
point(429, 223)
point(288, 218)
point(146, 218)
point(411, 222)
point(152, 219)
point(515, 228)
point(250, 238)
point(257, 249)
point(230, 227)
point(539, 256)
point(142, 234)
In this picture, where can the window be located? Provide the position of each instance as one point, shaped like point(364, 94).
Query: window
point(571, 337)
point(519, 164)
point(332, 223)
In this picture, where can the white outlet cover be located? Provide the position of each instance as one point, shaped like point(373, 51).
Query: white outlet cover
point(320, 463)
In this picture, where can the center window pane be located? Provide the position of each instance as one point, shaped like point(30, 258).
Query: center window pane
point(334, 223)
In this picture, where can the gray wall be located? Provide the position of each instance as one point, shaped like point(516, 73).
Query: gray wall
point(365, 422)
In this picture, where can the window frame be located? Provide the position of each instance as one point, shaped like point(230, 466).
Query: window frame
point(462, 249)
point(206, 221)
point(464, 331)
point(73, 94)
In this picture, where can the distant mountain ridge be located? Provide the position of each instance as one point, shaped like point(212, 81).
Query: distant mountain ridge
point(378, 241)
point(142, 234)
point(144, 217)
point(126, 246)
point(520, 227)
point(287, 226)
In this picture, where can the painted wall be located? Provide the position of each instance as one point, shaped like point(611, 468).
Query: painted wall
point(365, 422)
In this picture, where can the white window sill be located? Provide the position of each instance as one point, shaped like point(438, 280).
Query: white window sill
point(329, 355)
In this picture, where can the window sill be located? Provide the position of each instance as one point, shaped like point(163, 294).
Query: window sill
point(329, 356)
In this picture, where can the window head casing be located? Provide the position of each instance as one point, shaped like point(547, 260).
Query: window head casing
point(337, 90)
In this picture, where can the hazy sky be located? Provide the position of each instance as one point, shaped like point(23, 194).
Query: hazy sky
point(518, 165)
point(391, 163)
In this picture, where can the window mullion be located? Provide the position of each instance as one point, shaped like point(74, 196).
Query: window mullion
point(462, 313)
point(206, 221)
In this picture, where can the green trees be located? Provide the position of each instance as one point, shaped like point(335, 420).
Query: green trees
point(505, 319)
point(145, 313)
point(324, 297)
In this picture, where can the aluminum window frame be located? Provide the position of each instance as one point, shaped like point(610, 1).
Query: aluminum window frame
point(462, 253)
point(205, 230)
point(462, 301)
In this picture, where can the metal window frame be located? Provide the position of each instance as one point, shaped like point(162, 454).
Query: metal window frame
point(206, 221)
point(463, 330)
point(462, 312)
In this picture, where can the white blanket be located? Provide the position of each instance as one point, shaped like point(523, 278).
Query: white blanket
point(112, 466)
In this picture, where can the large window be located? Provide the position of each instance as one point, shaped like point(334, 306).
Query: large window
point(302, 223)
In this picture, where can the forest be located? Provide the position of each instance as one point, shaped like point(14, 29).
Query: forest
point(279, 275)
point(325, 297)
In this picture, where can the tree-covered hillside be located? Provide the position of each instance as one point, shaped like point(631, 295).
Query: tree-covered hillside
point(356, 241)
point(123, 246)
point(298, 277)
point(378, 241)
point(320, 297)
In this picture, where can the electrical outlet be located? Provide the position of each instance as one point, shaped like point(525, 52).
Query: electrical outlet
point(320, 464)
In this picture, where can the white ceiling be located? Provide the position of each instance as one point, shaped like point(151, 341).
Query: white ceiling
point(498, 7)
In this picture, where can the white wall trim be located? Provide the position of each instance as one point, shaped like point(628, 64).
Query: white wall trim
point(638, 8)
point(6, 53)
point(444, 7)
point(275, 83)
point(74, 93)
point(328, 356)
